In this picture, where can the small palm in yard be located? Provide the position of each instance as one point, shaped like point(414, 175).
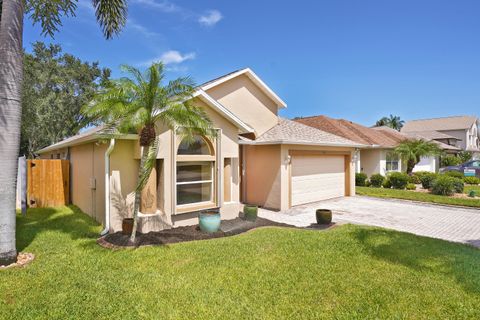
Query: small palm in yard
point(140, 103)
point(411, 151)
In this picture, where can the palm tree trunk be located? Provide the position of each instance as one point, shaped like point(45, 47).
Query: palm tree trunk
point(11, 72)
point(138, 193)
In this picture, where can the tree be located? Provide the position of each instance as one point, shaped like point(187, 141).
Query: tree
point(392, 121)
point(140, 103)
point(110, 14)
point(411, 151)
point(55, 88)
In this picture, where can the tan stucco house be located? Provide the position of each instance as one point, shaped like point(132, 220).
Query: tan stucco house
point(257, 158)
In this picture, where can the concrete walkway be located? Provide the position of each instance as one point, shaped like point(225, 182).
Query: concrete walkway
point(442, 222)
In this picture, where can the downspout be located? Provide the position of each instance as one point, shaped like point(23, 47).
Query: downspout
point(107, 187)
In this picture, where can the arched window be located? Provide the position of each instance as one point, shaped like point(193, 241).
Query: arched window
point(195, 172)
point(196, 146)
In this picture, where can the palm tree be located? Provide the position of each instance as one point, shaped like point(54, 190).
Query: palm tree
point(110, 14)
point(411, 151)
point(392, 121)
point(141, 103)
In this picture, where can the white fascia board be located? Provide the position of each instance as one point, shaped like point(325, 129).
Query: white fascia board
point(256, 79)
point(223, 111)
point(326, 144)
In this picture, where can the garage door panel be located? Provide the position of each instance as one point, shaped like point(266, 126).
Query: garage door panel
point(316, 178)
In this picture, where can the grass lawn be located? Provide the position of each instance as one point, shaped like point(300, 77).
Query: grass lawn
point(469, 188)
point(416, 196)
point(272, 273)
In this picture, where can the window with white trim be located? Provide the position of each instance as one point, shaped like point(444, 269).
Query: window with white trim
point(392, 163)
point(195, 172)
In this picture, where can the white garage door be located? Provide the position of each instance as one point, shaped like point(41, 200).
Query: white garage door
point(316, 178)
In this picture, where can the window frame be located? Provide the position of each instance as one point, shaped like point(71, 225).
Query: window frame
point(396, 161)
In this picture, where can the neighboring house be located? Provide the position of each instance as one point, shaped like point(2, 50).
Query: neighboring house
point(257, 158)
point(377, 155)
point(459, 131)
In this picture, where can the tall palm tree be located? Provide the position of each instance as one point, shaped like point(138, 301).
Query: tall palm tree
point(392, 121)
point(411, 151)
point(141, 102)
point(110, 14)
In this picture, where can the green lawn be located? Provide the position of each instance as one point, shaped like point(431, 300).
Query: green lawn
point(344, 273)
point(469, 188)
point(416, 196)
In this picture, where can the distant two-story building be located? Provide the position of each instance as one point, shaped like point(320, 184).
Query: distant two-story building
point(459, 131)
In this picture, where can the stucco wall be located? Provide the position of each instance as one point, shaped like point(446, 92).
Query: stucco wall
point(242, 97)
point(370, 161)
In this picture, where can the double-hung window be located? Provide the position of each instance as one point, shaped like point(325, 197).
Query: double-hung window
point(392, 162)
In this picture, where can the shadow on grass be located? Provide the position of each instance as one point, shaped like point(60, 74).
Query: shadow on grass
point(68, 220)
point(424, 254)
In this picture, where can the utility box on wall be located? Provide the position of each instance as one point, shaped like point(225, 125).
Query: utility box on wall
point(48, 183)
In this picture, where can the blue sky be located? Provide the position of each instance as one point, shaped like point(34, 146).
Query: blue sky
point(352, 59)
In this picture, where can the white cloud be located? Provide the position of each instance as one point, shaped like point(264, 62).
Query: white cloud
point(164, 6)
point(210, 18)
point(171, 57)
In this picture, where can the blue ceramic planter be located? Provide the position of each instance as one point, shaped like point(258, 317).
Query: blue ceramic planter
point(209, 222)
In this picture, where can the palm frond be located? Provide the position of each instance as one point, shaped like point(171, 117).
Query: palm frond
point(111, 15)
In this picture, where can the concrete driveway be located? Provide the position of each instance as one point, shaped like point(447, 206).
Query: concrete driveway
point(442, 222)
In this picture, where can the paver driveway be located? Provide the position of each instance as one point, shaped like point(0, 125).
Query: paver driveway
point(448, 223)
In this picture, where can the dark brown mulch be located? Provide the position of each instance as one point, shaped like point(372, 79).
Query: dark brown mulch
point(183, 234)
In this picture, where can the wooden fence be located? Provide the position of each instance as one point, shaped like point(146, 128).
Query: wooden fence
point(48, 183)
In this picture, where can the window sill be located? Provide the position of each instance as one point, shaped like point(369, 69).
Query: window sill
point(195, 207)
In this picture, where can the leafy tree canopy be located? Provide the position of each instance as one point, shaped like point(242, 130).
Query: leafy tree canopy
point(56, 86)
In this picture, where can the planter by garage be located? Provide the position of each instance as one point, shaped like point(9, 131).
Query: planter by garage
point(324, 216)
point(209, 221)
point(127, 225)
point(250, 212)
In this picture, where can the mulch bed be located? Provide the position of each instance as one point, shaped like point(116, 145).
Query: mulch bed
point(23, 258)
point(189, 233)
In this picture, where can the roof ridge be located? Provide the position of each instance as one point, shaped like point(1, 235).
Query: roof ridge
point(446, 117)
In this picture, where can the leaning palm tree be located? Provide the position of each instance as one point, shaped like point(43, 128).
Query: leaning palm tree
point(110, 14)
point(411, 151)
point(141, 102)
point(392, 121)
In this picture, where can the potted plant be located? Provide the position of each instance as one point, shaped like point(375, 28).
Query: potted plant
point(250, 212)
point(127, 226)
point(209, 221)
point(324, 216)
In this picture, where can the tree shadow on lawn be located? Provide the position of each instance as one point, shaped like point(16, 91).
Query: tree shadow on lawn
point(68, 220)
point(424, 254)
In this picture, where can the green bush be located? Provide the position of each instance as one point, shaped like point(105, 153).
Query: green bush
point(450, 160)
point(444, 185)
point(399, 180)
point(454, 174)
point(411, 186)
point(360, 179)
point(368, 183)
point(471, 180)
point(387, 184)
point(414, 179)
point(465, 156)
point(427, 180)
point(376, 180)
point(458, 185)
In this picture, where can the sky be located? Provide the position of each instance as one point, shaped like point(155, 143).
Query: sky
point(352, 59)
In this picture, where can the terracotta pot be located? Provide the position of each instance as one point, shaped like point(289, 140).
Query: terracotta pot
point(127, 226)
point(324, 216)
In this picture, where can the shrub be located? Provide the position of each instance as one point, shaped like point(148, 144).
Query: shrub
point(427, 180)
point(387, 184)
point(376, 180)
point(444, 185)
point(454, 174)
point(368, 183)
point(458, 185)
point(450, 160)
point(465, 156)
point(399, 180)
point(360, 179)
point(471, 180)
point(420, 174)
point(414, 179)
point(411, 186)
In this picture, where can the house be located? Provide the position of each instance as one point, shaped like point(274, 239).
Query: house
point(459, 131)
point(376, 156)
point(256, 158)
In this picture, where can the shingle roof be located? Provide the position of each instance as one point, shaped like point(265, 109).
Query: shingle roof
point(431, 135)
point(291, 132)
point(440, 124)
point(354, 131)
